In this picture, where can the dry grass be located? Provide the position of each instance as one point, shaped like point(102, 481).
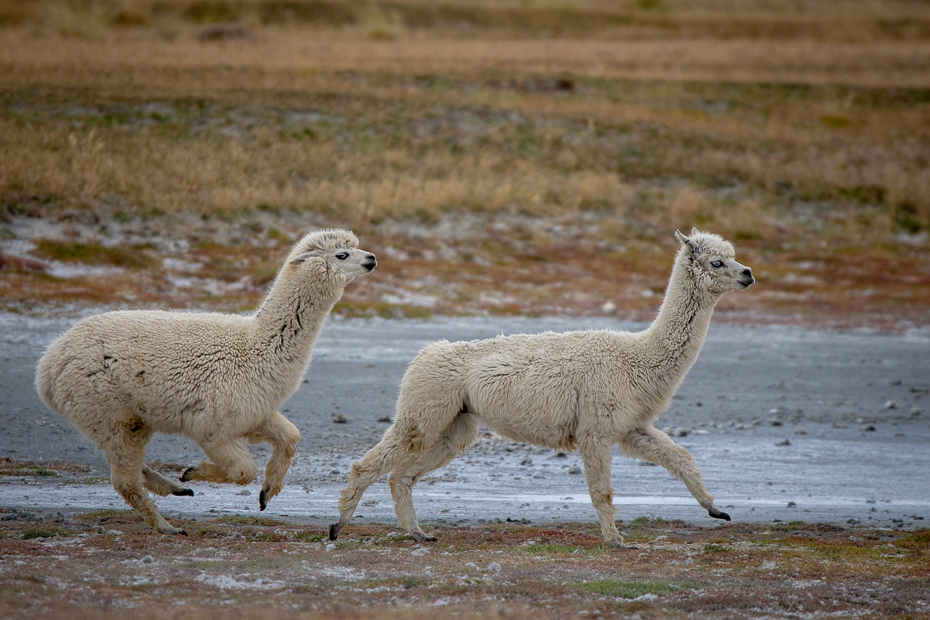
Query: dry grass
point(582, 133)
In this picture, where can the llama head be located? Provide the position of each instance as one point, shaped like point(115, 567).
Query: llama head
point(335, 249)
point(710, 259)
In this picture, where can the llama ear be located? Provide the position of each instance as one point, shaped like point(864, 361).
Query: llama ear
point(681, 238)
point(694, 231)
point(302, 258)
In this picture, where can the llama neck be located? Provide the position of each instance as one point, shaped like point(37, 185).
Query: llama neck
point(292, 315)
point(675, 338)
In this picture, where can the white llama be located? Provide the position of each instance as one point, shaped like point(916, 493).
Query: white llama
point(583, 390)
point(121, 377)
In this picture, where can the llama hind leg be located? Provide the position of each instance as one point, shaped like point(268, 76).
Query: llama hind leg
point(158, 484)
point(657, 447)
point(365, 472)
point(596, 459)
point(283, 437)
point(454, 440)
point(126, 474)
point(230, 461)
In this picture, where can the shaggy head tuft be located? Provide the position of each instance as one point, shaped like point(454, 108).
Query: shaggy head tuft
point(325, 241)
point(705, 243)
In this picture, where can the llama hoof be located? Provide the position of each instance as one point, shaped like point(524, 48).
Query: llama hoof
point(333, 532)
point(172, 530)
point(618, 544)
point(183, 492)
point(262, 499)
point(186, 476)
point(720, 515)
point(422, 539)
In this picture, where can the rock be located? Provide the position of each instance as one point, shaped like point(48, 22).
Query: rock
point(783, 442)
point(147, 559)
point(776, 423)
point(243, 492)
point(915, 411)
point(385, 418)
point(574, 469)
point(560, 455)
point(800, 431)
point(868, 427)
point(331, 547)
point(891, 405)
point(526, 462)
point(339, 419)
point(792, 505)
point(608, 307)
point(494, 567)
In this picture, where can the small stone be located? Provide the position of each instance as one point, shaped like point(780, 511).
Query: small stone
point(574, 469)
point(331, 547)
point(385, 418)
point(526, 462)
point(776, 423)
point(783, 442)
point(800, 431)
point(244, 492)
point(577, 552)
point(339, 419)
point(608, 307)
point(868, 427)
point(792, 505)
point(147, 559)
point(334, 471)
point(494, 567)
point(891, 405)
point(915, 411)
point(560, 455)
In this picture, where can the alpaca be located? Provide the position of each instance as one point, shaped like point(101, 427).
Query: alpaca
point(120, 377)
point(583, 390)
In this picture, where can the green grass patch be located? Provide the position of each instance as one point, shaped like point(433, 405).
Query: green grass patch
point(43, 531)
point(93, 254)
point(627, 589)
point(9, 468)
point(244, 520)
point(104, 515)
point(309, 536)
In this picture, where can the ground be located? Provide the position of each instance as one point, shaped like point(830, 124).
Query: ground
point(505, 160)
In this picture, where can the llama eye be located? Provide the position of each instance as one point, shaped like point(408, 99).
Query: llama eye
point(717, 264)
point(342, 255)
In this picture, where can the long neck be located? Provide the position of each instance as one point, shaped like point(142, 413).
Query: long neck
point(292, 315)
point(675, 338)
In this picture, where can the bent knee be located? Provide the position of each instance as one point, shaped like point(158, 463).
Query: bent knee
point(243, 474)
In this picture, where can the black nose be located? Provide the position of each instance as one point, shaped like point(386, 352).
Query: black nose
point(746, 272)
point(370, 262)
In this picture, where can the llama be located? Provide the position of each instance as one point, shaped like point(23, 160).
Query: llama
point(583, 390)
point(120, 377)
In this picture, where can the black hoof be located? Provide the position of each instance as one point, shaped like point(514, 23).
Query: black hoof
point(183, 492)
point(429, 539)
point(262, 500)
point(333, 532)
point(182, 533)
point(721, 515)
point(185, 477)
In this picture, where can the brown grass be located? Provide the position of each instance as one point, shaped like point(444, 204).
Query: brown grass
point(581, 133)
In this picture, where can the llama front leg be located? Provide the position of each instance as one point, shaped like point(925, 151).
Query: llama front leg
point(283, 437)
point(158, 484)
point(657, 447)
point(596, 459)
point(230, 461)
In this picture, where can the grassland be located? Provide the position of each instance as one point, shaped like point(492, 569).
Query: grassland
point(508, 157)
point(104, 564)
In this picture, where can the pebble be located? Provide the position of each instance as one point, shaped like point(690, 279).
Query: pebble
point(800, 431)
point(339, 419)
point(331, 547)
point(244, 492)
point(608, 307)
point(868, 427)
point(526, 462)
point(148, 559)
point(783, 442)
point(792, 505)
point(494, 567)
point(385, 418)
point(891, 405)
point(915, 411)
point(574, 469)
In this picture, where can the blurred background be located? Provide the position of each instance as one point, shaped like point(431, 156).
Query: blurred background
point(501, 157)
